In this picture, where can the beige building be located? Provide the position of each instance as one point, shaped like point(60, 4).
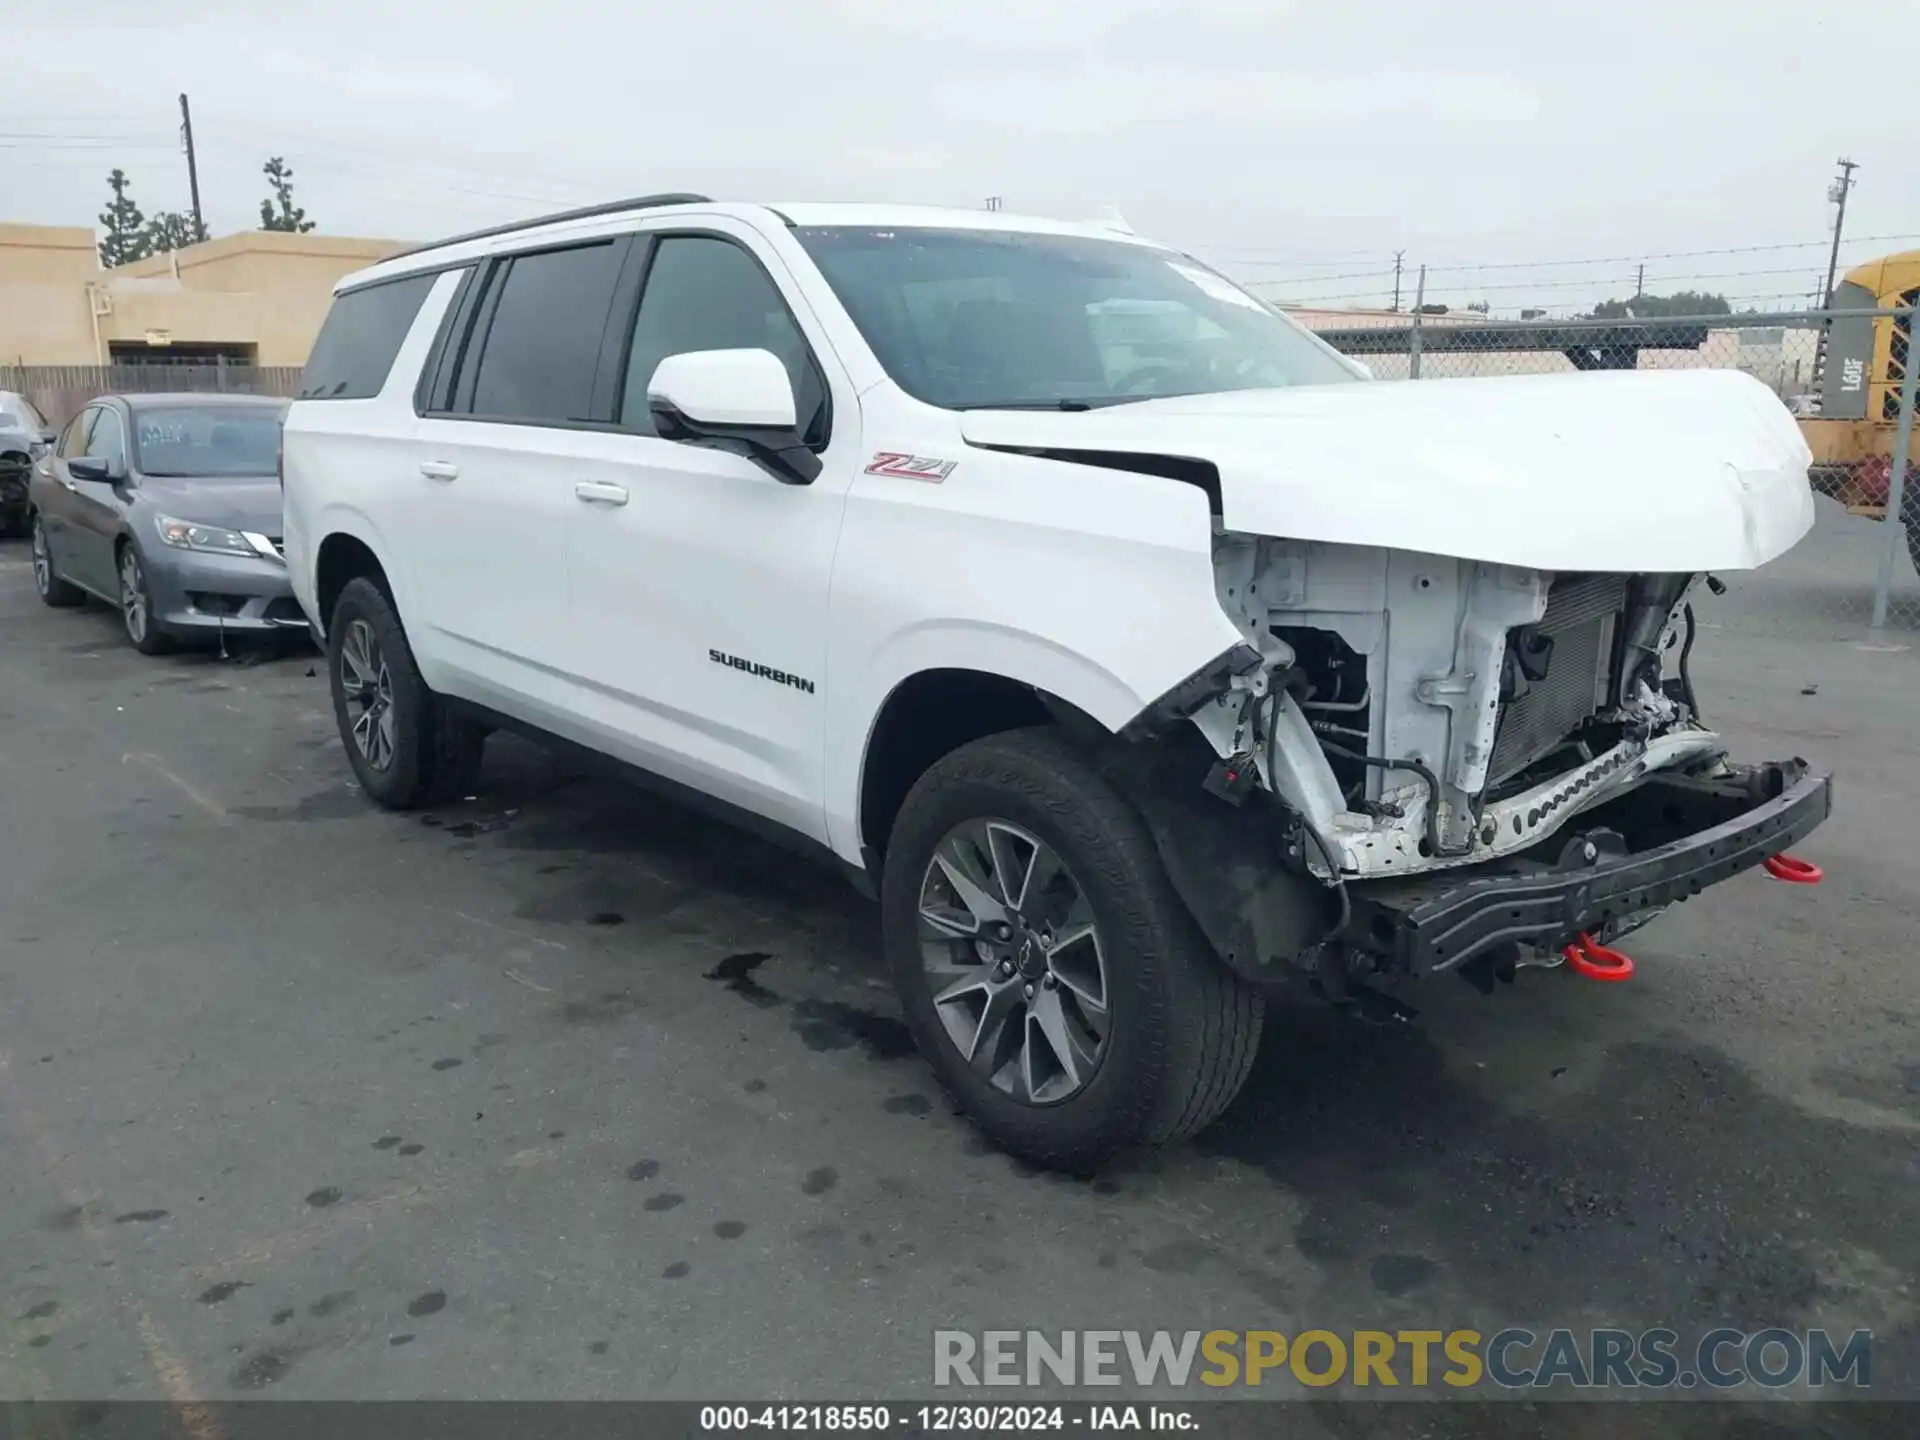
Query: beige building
point(253, 298)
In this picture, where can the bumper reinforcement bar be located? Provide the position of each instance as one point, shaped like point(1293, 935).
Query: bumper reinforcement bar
point(1668, 839)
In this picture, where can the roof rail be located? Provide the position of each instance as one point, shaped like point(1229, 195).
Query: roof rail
point(587, 212)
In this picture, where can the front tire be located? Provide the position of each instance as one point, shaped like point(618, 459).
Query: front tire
point(136, 606)
point(53, 590)
point(406, 751)
point(1067, 1037)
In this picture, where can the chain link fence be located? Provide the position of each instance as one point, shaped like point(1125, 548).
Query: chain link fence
point(1843, 373)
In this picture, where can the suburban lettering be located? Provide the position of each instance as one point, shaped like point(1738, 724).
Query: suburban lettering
point(762, 672)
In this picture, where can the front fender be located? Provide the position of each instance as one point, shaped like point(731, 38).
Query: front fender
point(303, 541)
point(1093, 586)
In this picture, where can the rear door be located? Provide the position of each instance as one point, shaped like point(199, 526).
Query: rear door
point(505, 416)
point(55, 502)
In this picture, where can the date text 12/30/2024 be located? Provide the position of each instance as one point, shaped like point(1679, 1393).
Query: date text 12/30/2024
point(945, 1419)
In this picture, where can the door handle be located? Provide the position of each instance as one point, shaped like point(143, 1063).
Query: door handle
point(439, 470)
point(594, 493)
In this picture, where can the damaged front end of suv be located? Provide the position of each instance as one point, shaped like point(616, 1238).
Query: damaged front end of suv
point(1468, 762)
point(1507, 764)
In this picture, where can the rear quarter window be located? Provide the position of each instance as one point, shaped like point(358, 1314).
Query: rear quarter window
point(363, 332)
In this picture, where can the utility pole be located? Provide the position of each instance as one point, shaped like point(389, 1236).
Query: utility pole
point(993, 202)
point(193, 169)
point(1413, 336)
point(1837, 194)
point(1640, 281)
point(1397, 255)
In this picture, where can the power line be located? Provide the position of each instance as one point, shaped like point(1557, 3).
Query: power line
point(1669, 255)
point(1324, 279)
point(1598, 281)
point(1607, 259)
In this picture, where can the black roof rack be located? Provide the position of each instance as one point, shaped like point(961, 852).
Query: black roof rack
point(587, 212)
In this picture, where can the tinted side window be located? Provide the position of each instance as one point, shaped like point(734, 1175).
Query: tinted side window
point(708, 294)
point(363, 332)
point(108, 441)
point(543, 341)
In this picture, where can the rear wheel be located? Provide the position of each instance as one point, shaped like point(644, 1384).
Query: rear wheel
point(1053, 980)
point(53, 590)
point(405, 749)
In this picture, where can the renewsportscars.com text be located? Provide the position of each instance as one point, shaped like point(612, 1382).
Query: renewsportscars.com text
point(1514, 1359)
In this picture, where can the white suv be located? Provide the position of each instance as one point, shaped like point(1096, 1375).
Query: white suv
point(1130, 646)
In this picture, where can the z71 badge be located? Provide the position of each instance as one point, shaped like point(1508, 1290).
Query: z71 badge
point(910, 467)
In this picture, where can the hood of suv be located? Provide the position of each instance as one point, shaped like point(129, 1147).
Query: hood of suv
point(1667, 471)
point(232, 503)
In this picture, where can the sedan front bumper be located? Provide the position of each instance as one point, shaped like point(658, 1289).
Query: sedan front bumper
point(201, 594)
point(1669, 838)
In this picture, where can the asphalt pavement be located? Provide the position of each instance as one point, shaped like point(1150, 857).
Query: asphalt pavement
point(564, 1091)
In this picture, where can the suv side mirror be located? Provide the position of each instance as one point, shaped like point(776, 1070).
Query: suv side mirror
point(90, 467)
point(737, 400)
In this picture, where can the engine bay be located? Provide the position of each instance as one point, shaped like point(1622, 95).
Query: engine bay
point(1421, 712)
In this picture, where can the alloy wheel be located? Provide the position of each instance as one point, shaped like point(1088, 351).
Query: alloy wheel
point(133, 596)
point(367, 685)
point(1014, 961)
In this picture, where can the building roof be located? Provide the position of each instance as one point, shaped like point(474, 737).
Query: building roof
point(257, 242)
point(57, 237)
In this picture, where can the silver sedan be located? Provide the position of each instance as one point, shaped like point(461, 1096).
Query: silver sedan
point(167, 507)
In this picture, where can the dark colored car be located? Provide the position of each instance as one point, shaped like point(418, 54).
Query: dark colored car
point(168, 507)
point(24, 438)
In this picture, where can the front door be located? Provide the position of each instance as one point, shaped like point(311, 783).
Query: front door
point(94, 508)
point(698, 580)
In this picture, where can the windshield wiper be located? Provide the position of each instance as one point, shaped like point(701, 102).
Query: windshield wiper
point(1065, 403)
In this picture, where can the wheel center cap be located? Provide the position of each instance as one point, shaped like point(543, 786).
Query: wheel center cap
point(1030, 957)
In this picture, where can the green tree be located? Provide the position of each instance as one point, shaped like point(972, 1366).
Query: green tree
point(126, 236)
point(171, 230)
point(288, 216)
point(1656, 307)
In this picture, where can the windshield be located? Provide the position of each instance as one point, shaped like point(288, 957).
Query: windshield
point(980, 319)
point(17, 411)
point(207, 441)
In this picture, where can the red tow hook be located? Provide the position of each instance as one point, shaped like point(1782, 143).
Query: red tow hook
point(1590, 958)
point(1794, 870)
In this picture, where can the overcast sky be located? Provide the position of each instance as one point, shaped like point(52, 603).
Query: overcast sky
point(1298, 142)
